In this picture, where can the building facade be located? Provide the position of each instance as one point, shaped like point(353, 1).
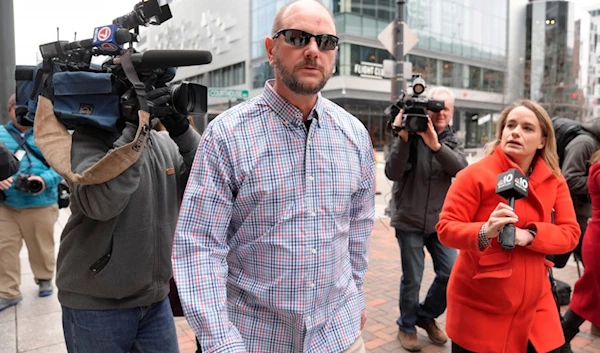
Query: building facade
point(593, 99)
point(557, 57)
point(462, 44)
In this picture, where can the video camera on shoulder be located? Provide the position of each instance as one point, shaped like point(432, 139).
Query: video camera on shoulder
point(108, 94)
point(415, 108)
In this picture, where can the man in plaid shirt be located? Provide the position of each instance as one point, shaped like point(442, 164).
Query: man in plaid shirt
point(271, 245)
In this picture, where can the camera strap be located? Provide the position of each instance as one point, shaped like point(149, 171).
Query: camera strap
point(23, 143)
point(140, 88)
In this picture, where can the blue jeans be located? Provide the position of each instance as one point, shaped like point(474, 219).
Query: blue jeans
point(413, 263)
point(148, 329)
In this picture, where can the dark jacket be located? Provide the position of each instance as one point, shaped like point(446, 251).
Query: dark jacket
point(9, 164)
point(421, 180)
point(130, 218)
point(575, 167)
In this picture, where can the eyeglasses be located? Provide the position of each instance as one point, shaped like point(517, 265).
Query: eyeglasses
point(299, 38)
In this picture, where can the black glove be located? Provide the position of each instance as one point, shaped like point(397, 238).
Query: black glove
point(175, 123)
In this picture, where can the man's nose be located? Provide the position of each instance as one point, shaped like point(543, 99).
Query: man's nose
point(311, 50)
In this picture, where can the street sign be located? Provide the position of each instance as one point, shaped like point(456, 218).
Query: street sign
point(389, 69)
point(228, 93)
point(386, 37)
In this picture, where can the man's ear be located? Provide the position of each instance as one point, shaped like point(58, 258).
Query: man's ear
point(270, 47)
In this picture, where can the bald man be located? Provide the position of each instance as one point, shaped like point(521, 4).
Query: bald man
point(271, 245)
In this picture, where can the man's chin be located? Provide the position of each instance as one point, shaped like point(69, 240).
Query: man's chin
point(306, 88)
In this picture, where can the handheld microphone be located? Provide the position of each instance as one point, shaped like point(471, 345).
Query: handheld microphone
point(156, 59)
point(512, 185)
point(105, 39)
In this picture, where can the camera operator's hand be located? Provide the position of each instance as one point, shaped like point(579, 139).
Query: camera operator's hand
point(38, 179)
point(175, 123)
point(398, 123)
point(398, 120)
point(430, 137)
point(501, 216)
point(6, 183)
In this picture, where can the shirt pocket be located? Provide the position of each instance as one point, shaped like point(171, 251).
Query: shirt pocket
point(341, 179)
point(495, 265)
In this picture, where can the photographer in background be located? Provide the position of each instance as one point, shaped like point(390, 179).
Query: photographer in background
point(9, 164)
point(422, 165)
point(114, 262)
point(28, 210)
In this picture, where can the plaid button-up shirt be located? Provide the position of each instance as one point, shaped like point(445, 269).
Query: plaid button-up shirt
point(271, 245)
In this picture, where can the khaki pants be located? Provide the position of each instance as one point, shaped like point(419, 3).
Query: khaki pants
point(357, 347)
point(36, 227)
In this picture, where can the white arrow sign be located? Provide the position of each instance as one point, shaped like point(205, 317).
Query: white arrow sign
point(386, 37)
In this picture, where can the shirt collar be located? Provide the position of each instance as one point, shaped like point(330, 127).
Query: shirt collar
point(287, 111)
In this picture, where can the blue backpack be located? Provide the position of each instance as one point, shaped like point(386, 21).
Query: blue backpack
point(78, 97)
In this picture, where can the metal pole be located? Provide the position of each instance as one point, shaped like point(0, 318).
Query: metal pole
point(398, 82)
point(7, 57)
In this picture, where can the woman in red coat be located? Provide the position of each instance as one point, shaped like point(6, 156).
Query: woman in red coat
point(500, 300)
point(585, 304)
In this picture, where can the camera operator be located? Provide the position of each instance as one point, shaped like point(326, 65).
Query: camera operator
point(114, 262)
point(9, 164)
point(28, 211)
point(422, 165)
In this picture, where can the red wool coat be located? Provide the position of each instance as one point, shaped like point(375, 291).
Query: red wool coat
point(499, 300)
point(585, 301)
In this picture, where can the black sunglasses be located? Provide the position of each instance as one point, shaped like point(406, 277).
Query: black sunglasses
point(299, 38)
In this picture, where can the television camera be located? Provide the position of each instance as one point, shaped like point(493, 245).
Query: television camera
point(106, 95)
point(414, 118)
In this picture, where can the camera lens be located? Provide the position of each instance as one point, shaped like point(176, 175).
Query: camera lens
point(183, 100)
point(34, 186)
point(189, 98)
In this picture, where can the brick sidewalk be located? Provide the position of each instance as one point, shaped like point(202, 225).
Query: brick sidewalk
point(34, 326)
point(381, 293)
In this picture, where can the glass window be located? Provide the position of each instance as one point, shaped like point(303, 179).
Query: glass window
point(492, 80)
point(474, 78)
point(369, 27)
point(261, 73)
point(427, 67)
point(353, 25)
point(451, 74)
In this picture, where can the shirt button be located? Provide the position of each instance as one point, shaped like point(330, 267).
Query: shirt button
point(310, 178)
point(308, 318)
point(314, 251)
point(314, 214)
point(312, 285)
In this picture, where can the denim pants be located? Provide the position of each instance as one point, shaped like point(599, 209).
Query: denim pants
point(413, 262)
point(148, 329)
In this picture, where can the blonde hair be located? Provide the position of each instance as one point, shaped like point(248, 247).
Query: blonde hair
point(548, 152)
point(595, 158)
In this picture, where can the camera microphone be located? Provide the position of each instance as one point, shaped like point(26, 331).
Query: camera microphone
point(512, 185)
point(156, 59)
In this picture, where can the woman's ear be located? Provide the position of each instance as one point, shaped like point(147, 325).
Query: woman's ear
point(542, 144)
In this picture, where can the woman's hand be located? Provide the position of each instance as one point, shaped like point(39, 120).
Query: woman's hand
point(523, 237)
point(501, 216)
